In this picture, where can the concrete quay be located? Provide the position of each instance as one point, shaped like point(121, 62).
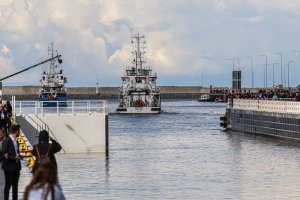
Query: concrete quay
point(167, 92)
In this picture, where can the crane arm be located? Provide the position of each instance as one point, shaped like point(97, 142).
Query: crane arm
point(58, 57)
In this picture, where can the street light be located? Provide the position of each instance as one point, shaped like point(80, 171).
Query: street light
point(251, 71)
point(299, 56)
point(284, 74)
point(281, 67)
point(266, 72)
point(289, 73)
point(273, 73)
point(238, 62)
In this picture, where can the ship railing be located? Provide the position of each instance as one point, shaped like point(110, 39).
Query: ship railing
point(276, 106)
point(60, 107)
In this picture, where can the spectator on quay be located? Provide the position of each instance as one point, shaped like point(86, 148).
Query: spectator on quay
point(46, 147)
point(297, 97)
point(11, 163)
point(2, 137)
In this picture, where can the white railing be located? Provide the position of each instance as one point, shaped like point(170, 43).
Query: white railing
point(60, 107)
point(292, 107)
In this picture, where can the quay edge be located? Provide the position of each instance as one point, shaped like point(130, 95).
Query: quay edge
point(264, 117)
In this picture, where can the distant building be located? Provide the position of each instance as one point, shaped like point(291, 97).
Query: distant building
point(236, 80)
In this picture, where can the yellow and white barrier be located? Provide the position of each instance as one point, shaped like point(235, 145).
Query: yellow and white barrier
point(26, 149)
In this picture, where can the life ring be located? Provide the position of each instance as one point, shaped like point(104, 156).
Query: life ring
point(138, 103)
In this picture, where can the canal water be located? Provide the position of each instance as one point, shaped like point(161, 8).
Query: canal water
point(181, 153)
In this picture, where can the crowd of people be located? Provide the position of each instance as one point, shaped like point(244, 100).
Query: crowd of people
point(5, 116)
point(271, 94)
point(44, 184)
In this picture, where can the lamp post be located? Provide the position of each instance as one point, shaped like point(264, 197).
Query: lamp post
point(284, 74)
point(299, 56)
point(252, 79)
point(281, 67)
point(273, 74)
point(238, 62)
point(266, 72)
point(289, 73)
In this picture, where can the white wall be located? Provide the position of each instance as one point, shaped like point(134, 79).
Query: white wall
point(76, 133)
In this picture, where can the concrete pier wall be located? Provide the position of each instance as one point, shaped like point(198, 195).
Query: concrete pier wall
point(69, 131)
point(31, 92)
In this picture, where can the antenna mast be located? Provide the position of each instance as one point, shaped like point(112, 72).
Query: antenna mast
point(139, 52)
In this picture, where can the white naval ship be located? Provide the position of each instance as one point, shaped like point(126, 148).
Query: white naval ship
point(139, 93)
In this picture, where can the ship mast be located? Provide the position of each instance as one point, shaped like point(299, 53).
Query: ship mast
point(139, 52)
point(52, 62)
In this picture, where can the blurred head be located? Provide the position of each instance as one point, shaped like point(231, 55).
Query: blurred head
point(43, 136)
point(44, 177)
point(15, 129)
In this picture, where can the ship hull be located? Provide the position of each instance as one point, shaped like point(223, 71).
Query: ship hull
point(61, 101)
point(139, 110)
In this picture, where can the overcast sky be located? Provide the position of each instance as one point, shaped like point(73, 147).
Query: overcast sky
point(185, 39)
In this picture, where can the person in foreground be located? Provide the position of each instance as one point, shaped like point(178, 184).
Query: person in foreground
point(46, 147)
point(44, 184)
point(2, 137)
point(11, 162)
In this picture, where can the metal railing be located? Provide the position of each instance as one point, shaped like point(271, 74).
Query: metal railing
point(60, 107)
point(276, 106)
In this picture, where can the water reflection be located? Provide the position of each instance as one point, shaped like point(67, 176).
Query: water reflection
point(181, 154)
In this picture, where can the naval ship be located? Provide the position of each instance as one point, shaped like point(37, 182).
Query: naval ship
point(53, 91)
point(139, 93)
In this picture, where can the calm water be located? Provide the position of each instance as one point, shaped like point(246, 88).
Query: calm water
point(181, 154)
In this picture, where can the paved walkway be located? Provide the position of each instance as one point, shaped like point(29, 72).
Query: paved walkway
point(25, 178)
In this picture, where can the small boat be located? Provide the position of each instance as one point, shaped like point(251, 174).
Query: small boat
point(139, 93)
point(205, 98)
point(53, 92)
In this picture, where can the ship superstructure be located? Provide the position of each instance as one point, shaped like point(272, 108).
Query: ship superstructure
point(53, 81)
point(139, 92)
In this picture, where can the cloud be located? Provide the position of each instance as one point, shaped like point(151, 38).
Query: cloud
point(184, 38)
point(4, 49)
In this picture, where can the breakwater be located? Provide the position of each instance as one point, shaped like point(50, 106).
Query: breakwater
point(167, 92)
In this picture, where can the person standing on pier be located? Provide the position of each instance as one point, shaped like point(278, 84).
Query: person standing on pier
point(2, 137)
point(46, 148)
point(11, 163)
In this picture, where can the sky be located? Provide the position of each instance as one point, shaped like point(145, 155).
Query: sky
point(189, 42)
